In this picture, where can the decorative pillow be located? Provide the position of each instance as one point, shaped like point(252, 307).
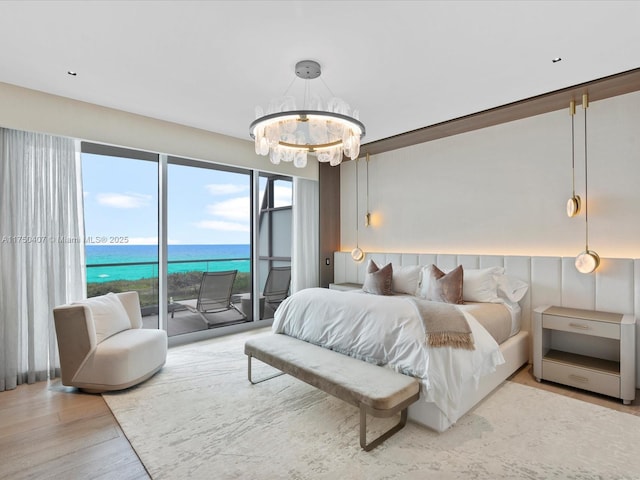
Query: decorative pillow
point(481, 285)
point(405, 279)
point(378, 280)
point(438, 286)
point(109, 315)
point(513, 289)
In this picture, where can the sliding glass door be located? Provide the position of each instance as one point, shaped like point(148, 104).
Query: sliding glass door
point(121, 224)
point(208, 233)
point(226, 232)
point(274, 241)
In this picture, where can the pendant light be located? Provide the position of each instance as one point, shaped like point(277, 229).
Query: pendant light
point(367, 217)
point(357, 254)
point(573, 204)
point(587, 261)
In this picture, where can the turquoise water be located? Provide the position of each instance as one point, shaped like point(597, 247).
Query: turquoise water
point(229, 257)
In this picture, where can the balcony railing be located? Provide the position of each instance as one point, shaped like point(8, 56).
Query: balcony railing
point(184, 278)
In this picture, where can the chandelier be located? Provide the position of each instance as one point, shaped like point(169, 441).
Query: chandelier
point(287, 134)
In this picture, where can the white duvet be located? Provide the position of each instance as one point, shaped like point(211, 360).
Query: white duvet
point(387, 330)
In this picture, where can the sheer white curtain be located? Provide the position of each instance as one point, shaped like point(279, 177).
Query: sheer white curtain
point(304, 271)
point(41, 250)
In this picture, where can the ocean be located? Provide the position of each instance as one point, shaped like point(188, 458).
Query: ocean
point(182, 258)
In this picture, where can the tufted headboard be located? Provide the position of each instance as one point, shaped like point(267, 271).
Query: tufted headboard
point(614, 287)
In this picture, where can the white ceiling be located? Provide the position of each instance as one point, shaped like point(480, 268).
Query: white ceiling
point(403, 64)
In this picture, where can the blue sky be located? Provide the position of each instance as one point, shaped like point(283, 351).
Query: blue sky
point(205, 206)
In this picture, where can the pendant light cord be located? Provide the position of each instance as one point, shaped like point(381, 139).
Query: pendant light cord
point(585, 105)
point(572, 110)
point(357, 202)
point(367, 183)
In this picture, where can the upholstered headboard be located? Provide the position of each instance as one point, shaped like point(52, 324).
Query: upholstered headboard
point(614, 287)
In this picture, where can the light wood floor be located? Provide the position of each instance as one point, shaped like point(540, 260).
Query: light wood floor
point(51, 431)
point(48, 431)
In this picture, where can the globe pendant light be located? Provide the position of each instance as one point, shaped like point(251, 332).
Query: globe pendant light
point(587, 261)
point(357, 254)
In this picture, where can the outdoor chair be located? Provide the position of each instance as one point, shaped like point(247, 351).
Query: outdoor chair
point(276, 289)
point(214, 297)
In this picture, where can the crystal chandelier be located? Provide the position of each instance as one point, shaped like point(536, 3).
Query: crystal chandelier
point(287, 134)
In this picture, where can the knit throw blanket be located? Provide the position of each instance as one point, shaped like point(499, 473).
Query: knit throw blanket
point(444, 324)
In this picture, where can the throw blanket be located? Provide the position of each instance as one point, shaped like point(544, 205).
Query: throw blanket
point(444, 324)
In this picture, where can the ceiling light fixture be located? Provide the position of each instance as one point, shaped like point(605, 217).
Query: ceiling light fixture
point(587, 261)
point(287, 134)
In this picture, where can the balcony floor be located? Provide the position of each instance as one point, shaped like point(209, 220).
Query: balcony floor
point(183, 321)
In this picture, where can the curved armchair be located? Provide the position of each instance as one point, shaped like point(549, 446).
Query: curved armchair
point(103, 346)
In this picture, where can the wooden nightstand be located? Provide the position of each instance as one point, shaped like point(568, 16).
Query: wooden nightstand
point(592, 350)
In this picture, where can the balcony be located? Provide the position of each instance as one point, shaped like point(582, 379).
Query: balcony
point(184, 278)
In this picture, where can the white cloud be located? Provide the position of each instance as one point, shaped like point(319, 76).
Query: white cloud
point(225, 188)
point(232, 209)
point(222, 226)
point(123, 200)
point(282, 196)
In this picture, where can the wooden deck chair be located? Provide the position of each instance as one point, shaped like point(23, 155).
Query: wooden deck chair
point(214, 296)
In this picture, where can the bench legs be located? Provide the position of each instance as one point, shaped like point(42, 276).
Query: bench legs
point(364, 410)
point(374, 443)
point(249, 357)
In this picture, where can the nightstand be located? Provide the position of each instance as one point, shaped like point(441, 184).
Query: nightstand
point(586, 349)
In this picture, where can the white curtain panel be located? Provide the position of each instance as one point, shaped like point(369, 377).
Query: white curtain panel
point(41, 250)
point(304, 271)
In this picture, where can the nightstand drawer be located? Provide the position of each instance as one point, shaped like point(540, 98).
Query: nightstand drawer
point(586, 379)
point(579, 325)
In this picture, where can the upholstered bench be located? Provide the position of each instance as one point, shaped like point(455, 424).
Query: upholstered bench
point(375, 390)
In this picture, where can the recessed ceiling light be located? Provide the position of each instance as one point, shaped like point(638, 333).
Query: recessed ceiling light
point(556, 60)
point(72, 73)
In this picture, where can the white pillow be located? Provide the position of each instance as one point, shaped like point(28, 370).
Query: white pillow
point(109, 315)
point(513, 289)
point(405, 279)
point(481, 285)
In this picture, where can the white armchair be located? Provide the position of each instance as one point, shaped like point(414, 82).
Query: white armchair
point(103, 346)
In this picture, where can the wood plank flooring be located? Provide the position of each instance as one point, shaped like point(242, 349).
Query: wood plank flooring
point(48, 431)
point(54, 432)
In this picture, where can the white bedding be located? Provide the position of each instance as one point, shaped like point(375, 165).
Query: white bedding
point(387, 330)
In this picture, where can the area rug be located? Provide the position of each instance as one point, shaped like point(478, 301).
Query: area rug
point(200, 418)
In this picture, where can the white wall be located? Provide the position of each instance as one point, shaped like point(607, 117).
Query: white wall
point(503, 189)
point(24, 109)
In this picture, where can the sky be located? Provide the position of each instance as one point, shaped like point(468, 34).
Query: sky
point(205, 206)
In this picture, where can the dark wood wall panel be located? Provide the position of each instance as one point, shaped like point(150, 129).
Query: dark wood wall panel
point(329, 192)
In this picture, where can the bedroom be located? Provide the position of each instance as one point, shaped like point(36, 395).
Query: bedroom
point(505, 216)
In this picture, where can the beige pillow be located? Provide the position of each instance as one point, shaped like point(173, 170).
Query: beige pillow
point(442, 287)
point(109, 315)
point(378, 280)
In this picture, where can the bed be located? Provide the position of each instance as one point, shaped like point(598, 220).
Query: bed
point(387, 328)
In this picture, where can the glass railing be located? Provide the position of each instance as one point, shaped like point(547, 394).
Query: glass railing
point(183, 280)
